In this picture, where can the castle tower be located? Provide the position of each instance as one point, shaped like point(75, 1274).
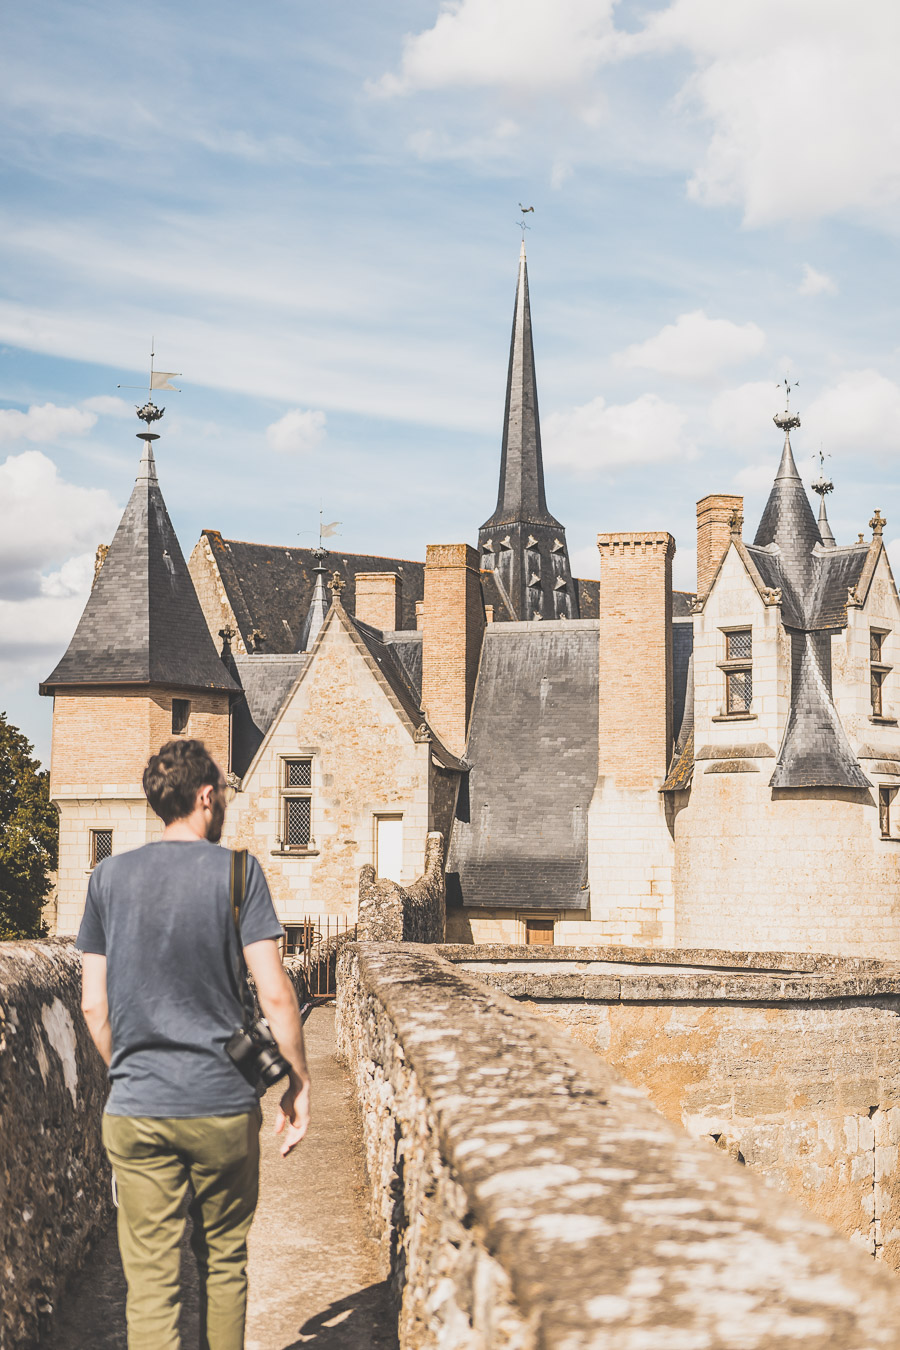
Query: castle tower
point(522, 543)
point(141, 667)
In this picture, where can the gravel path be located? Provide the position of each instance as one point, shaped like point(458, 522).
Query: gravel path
point(316, 1273)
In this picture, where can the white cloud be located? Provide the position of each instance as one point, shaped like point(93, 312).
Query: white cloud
point(802, 98)
point(298, 432)
point(600, 436)
point(46, 521)
point(860, 414)
point(107, 405)
point(695, 346)
point(44, 422)
point(742, 417)
point(815, 283)
point(527, 46)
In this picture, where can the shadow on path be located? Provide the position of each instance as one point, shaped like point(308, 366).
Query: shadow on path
point(316, 1273)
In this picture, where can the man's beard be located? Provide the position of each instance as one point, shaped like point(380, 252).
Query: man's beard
point(217, 808)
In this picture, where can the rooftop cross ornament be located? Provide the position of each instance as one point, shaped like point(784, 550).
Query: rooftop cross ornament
point(521, 223)
point(787, 419)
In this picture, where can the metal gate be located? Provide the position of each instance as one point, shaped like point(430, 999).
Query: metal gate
point(312, 943)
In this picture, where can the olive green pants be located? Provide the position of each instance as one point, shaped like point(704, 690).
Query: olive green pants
point(155, 1161)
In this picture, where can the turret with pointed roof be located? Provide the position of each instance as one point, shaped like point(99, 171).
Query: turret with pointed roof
point(522, 543)
point(142, 624)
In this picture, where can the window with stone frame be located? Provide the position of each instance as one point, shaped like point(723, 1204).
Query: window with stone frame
point(101, 845)
point(296, 803)
point(738, 668)
point(886, 797)
point(878, 670)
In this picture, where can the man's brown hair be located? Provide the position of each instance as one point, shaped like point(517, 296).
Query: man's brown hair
point(175, 775)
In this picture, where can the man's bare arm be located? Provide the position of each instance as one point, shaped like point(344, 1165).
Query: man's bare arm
point(278, 1001)
point(94, 1004)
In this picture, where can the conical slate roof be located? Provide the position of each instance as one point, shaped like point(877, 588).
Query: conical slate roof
point(521, 496)
point(788, 520)
point(143, 623)
point(318, 609)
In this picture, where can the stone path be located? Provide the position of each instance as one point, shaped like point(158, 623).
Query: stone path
point(316, 1273)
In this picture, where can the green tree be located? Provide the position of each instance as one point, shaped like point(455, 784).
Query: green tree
point(29, 836)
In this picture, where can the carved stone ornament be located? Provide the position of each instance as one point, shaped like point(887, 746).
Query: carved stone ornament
point(771, 595)
point(736, 522)
point(336, 585)
point(877, 523)
point(696, 604)
point(423, 734)
point(853, 597)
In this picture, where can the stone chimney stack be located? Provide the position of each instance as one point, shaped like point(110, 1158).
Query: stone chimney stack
point(714, 516)
point(378, 599)
point(636, 656)
point(453, 624)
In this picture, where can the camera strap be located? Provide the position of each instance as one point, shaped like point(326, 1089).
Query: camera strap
point(237, 888)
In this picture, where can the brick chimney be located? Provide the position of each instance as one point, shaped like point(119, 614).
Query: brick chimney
point(714, 515)
point(378, 599)
point(636, 656)
point(453, 627)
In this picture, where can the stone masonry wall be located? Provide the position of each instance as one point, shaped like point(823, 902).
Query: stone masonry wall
point(532, 1200)
point(54, 1178)
point(388, 913)
point(795, 1073)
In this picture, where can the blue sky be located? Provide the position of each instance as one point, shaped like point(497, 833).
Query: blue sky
point(312, 208)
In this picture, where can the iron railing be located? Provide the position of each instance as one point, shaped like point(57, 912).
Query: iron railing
point(312, 943)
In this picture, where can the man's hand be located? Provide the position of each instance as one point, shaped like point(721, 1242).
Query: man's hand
point(293, 1113)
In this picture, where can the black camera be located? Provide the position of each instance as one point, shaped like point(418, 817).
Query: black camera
point(255, 1052)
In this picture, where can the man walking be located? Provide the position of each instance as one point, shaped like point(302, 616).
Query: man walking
point(161, 996)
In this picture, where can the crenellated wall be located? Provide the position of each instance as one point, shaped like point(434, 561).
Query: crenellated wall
point(532, 1199)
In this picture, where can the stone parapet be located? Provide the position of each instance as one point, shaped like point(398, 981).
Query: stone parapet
point(54, 1177)
point(531, 1198)
point(390, 913)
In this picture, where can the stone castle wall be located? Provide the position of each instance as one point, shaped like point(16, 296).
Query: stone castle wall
point(792, 1066)
point(531, 1198)
point(390, 913)
point(54, 1178)
point(364, 763)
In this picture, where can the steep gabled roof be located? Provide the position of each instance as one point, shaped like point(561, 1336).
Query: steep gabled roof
point(143, 623)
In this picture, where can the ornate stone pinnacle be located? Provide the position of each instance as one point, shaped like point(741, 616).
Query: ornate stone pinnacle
point(150, 413)
point(877, 523)
point(736, 521)
point(227, 634)
point(336, 585)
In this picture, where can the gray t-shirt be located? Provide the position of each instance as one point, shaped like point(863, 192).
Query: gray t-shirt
point(161, 916)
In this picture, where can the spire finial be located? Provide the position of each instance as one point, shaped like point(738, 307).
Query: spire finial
point(822, 486)
point(787, 420)
point(877, 524)
point(336, 585)
point(522, 226)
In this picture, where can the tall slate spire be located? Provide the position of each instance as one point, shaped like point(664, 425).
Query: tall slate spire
point(318, 609)
point(143, 623)
point(788, 520)
point(522, 543)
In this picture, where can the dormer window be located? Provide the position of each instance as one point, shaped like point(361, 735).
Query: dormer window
point(738, 668)
point(878, 669)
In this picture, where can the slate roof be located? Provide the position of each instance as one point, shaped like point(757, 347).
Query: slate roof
point(270, 587)
point(142, 623)
point(520, 838)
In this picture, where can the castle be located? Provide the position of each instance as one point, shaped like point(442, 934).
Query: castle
point(609, 761)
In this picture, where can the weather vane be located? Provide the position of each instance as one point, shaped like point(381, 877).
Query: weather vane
point(159, 379)
point(521, 223)
point(787, 419)
point(822, 485)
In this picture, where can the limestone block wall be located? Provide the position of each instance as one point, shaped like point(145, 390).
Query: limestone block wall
point(54, 1178)
point(801, 870)
point(132, 823)
point(211, 593)
point(390, 913)
point(532, 1199)
point(850, 665)
point(793, 1069)
point(364, 763)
